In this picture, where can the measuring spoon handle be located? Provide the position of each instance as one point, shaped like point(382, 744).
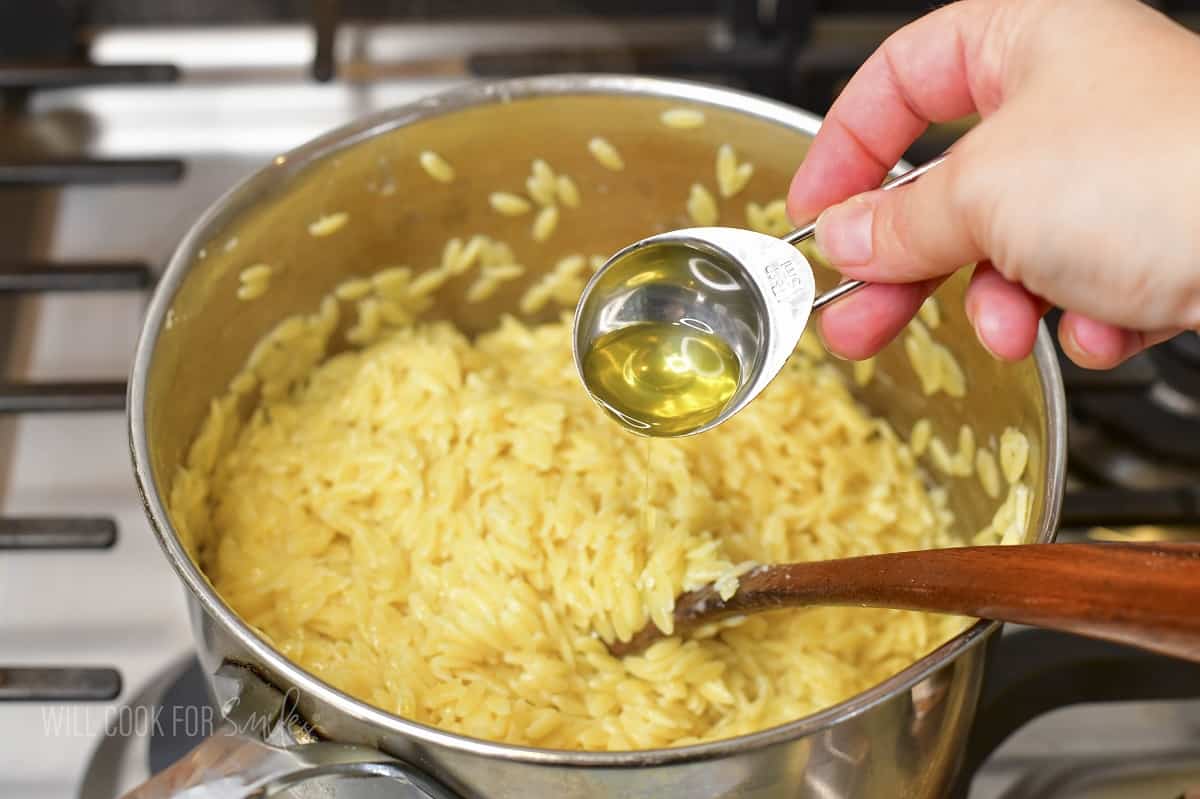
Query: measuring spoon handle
point(805, 233)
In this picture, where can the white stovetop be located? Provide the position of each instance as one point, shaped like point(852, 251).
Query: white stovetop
point(122, 608)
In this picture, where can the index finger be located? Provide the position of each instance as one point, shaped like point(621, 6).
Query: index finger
point(935, 69)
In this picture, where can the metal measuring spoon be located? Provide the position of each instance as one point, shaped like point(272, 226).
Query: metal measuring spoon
point(752, 291)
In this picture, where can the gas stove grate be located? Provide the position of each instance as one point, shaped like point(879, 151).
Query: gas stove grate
point(38, 684)
point(62, 396)
point(1117, 507)
point(29, 277)
point(69, 396)
point(59, 171)
point(19, 79)
point(58, 683)
point(64, 74)
point(57, 532)
point(44, 535)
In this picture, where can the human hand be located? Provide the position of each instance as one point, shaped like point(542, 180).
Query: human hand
point(1080, 186)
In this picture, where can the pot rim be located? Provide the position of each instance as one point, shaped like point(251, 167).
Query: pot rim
point(271, 177)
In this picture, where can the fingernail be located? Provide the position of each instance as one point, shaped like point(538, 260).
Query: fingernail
point(983, 342)
point(1095, 340)
point(971, 310)
point(825, 344)
point(1088, 338)
point(1070, 342)
point(844, 232)
point(978, 325)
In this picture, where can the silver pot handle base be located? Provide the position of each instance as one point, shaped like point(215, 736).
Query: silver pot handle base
point(263, 748)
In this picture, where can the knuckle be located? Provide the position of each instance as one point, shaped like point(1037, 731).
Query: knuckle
point(974, 189)
point(927, 221)
point(895, 242)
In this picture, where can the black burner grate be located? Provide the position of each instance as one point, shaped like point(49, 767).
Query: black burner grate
point(60, 396)
point(38, 536)
point(57, 532)
point(1150, 406)
point(62, 74)
point(58, 172)
point(40, 684)
point(1178, 364)
point(31, 276)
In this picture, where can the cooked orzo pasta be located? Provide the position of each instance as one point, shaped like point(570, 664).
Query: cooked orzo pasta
point(449, 529)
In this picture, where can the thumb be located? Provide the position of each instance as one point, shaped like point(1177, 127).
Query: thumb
point(902, 235)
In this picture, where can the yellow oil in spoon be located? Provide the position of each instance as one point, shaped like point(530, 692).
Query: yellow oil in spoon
point(660, 378)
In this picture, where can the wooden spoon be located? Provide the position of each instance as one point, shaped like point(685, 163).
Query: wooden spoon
point(1145, 595)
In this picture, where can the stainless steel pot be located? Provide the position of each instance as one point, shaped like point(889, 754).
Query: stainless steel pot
point(901, 738)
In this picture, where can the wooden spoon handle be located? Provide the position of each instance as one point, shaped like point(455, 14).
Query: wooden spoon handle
point(1145, 595)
